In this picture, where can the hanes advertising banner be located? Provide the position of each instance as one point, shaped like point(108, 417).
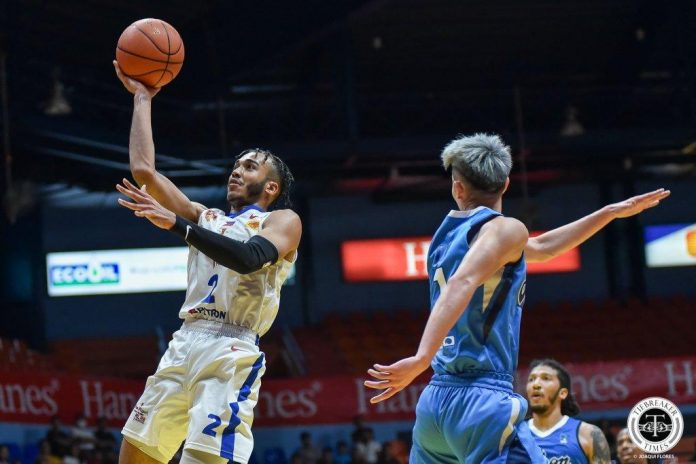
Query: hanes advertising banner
point(35, 397)
point(405, 258)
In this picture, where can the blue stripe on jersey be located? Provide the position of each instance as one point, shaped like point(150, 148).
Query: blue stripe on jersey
point(485, 339)
point(562, 446)
point(227, 445)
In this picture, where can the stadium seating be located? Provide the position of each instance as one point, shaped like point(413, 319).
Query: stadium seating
point(571, 332)
point(14, 354)
point(128, 357)
point(348, 343)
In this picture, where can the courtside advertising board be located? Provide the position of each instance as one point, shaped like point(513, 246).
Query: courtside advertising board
point(103, 272)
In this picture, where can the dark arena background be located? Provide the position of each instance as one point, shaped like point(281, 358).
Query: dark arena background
point(597, 100)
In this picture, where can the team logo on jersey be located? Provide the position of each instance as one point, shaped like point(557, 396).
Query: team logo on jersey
point(254, 224)
point(522, 294)
point(560, 460)
point(564, 439)
point(140, 414)
point(655, 425)
point(85, 274)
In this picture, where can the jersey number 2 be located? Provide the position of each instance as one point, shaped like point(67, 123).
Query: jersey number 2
point(211, 283)
point(210, 428)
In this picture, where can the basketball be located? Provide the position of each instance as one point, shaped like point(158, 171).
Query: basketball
point(150, 51)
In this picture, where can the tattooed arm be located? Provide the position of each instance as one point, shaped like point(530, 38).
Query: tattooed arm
point(594, 444)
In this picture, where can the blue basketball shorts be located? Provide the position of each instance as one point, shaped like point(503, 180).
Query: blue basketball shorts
point(472, 420)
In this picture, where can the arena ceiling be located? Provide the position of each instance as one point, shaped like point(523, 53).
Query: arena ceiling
point(353, 89)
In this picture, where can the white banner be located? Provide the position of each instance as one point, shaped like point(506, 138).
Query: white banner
point(103, 272)
point(670, 245)
point(117, 271)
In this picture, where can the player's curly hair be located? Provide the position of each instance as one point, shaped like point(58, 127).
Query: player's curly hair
point(280, 173)
point(569, 406)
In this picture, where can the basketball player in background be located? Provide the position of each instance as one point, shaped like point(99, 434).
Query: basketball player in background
point(626, 451)
point(563, 439)
point(477, 274)
point(207, 382)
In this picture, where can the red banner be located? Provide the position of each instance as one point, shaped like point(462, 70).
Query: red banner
point(405, 259)
point(622, 384)
point(35, 398)
point(566, 262)
point(385, 259)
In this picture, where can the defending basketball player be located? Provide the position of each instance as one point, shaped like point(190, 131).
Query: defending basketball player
point(477, 274)
point(207, 382)
point(563, 439)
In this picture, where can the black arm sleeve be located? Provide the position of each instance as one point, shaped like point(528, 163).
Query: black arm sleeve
point(243, 257)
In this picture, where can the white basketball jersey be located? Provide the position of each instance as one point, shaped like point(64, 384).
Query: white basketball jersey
point(217, 293)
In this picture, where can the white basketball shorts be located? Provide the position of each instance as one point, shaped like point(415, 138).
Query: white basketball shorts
point(204, 391)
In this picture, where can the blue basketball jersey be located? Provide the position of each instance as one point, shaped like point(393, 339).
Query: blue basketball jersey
point(469, 413)
point(486, 336)
point(561, 443)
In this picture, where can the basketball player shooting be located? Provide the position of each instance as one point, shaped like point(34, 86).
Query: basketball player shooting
point(563, 438)
point(207, 382)
point(477, 274)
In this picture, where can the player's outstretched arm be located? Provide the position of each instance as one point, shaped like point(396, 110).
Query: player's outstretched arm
point(242, 257)
point(594, 444)
point(557, 241)
point(499, 242)
point(141, 149)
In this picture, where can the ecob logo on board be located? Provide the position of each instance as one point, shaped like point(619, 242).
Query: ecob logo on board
point(655, 425)
point(85, 274)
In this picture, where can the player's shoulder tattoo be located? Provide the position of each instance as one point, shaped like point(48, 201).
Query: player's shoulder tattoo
point(600, 447)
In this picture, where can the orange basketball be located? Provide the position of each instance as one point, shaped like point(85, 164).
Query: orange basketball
point(150, 51)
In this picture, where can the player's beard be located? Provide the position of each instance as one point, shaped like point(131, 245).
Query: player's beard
point(253, 193)
point(542, 408)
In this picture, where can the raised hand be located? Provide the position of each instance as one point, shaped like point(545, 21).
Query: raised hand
point(133, 86)
point(638, 204)
point(394, 378)
point(145, 206)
